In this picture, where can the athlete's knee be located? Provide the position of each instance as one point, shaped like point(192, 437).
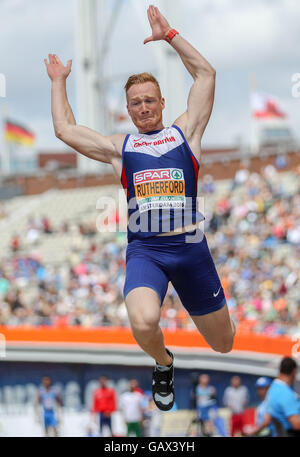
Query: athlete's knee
point(224, 345)
point(145, 329)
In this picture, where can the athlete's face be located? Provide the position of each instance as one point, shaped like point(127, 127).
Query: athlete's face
point(46, 382)
point(145, 106)
point(103, 381)
point(262, 392)
point(133, 384)
point(204, 380)
point(236, 381)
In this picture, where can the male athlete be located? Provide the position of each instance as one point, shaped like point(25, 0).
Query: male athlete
point(158, 167)
point(49, 399)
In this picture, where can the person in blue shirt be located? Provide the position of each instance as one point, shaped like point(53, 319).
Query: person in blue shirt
point(48, 398)
point(207, 408)
point(205, 399)
point(282, 402)
point(262, 385)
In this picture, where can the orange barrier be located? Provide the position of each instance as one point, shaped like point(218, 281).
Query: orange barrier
point(252, 342)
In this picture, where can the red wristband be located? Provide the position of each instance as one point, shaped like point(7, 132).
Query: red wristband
point(170, 35)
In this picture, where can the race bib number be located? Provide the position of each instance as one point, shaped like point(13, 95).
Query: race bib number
point(159, 188)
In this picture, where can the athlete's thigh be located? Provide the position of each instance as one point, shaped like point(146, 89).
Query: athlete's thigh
point(196, 279)
point(145, 287)
point(216, 327)
point(143, 306)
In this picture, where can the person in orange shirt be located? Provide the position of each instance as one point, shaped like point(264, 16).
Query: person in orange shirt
point(104, 404)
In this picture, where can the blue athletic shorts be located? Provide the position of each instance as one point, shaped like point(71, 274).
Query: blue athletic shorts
point(203, 412)
point(49, 419)
point(189, 266)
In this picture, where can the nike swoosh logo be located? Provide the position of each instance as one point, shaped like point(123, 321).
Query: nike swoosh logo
point(164, 400)
point(215, 295)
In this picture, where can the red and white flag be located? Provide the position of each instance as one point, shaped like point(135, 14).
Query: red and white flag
point(264, 106)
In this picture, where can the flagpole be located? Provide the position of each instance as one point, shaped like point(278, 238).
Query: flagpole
point(5, 159)
point(253, 125)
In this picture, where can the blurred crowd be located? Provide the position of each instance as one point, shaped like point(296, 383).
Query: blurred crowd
point(253, 231)
point(254, 236)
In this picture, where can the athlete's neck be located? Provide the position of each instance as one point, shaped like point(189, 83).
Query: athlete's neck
point(152, 129)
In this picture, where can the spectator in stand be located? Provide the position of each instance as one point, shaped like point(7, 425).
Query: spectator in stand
point(208, 186)
point(131, 405)
point(46, 225)
point(13, 298)
point(236, 398)
point(240, 178)
point(104, 404)
point(15, 243)
point(281, 161)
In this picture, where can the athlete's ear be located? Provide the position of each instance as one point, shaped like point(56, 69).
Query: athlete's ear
point(162, 102)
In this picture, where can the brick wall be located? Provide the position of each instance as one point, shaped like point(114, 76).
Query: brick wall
point(38, 184)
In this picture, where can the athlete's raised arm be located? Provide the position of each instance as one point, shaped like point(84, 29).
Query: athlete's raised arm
point(201, 96)
point(85, 140)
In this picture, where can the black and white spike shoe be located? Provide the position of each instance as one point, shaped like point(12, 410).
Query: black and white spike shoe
point(163, 386)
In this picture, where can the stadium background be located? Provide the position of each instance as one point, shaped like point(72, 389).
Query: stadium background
point(61, 307)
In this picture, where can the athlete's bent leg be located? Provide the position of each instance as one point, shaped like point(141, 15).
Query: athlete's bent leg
point(217, 328)
point(143, 307)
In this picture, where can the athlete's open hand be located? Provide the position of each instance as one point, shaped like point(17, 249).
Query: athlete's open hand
point(55, 68)
point(158, 23)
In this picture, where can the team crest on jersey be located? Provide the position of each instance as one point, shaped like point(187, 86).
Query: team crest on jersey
point(159, 188)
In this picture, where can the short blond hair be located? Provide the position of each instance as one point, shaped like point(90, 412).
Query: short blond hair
point(141, 78)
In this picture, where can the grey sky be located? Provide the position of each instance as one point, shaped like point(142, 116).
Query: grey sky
point(237, 37)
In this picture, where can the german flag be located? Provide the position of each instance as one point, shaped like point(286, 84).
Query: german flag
point(18, 134)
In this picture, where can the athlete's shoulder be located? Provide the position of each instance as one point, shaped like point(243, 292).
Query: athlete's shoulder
point(118, 140)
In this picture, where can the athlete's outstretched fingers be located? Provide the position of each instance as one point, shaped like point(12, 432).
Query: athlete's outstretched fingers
point(150, 38)
point(152, 11)
point(57, 59)
point(149, 15)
